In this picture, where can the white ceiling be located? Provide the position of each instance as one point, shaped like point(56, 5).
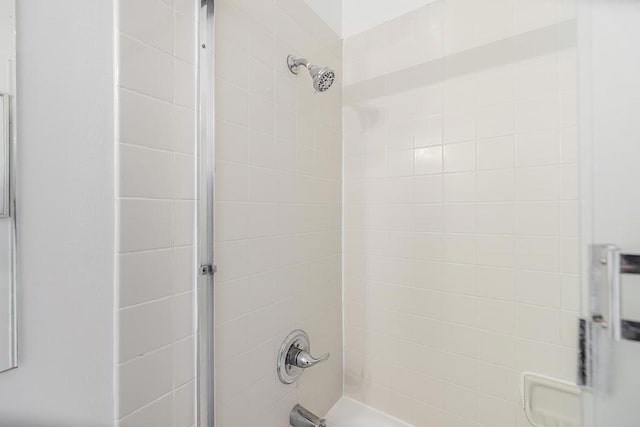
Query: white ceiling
point(350, 17)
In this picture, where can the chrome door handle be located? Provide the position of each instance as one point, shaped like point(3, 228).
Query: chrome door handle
point(302, 358)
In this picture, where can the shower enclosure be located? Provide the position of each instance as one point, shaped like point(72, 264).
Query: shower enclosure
point(423, 208)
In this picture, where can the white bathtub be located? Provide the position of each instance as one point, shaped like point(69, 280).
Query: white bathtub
point(350, 413)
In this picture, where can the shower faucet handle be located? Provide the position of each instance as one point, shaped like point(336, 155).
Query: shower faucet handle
point(295, 356)
point(302, 358)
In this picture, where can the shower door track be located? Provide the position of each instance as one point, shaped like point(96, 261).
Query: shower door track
point(206, 270)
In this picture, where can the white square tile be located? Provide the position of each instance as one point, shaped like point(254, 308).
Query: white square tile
point(184, 139)
point(143, 380)
point(428, 131)
point(235, 102)
point(261, 79)
point(138, 283)
point(496, 153)
point(183, 323)
point(539, 288)
point(158, 413)
point(496, 185)
point(145, 120)
point(459, 127)
point(495, 86)
point(184, 84)
point(538, 183)
point(428, 160)
point(183, 223)
point(497, 316)
point(185, 405)
point(500, 382)
point(144, 328)
point(497, 251)
point(157, 29)
point(460, 187)
point(537, 114)
point(145, 69)
point(497, 283)
point(538, 323)
point(232, 64)
point(537, 77)
point(231, 142)
point(530, 16)
point(184, 170)
point(538, 253)
point(460, 218)
point(499, 349)
point(538, 148)
point(400, 163)
point(570, 292)
point(496, 120)
point(145, 224)
point(495, 20)
point(497, 412)
point(543, 358)
point(495, 218)
point(184, 356)
point(427, 189)
point(184, 38)
point(231, 24)
point(461, 401)
point(460, 278)
point(538, 218)
point(460, 157)
point(144, 172)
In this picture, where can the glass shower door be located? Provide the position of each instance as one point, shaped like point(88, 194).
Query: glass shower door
point(609, 67)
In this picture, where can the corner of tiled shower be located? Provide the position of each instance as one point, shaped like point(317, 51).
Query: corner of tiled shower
point(430, 196)
point(460, 207)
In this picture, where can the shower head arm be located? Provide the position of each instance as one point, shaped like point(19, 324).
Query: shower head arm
point(323, 77)
point(295, 63)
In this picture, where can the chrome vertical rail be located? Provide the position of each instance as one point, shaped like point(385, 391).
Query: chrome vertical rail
point(206, 220)
point(605, 288)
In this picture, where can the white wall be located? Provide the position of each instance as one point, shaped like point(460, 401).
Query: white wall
point(278, 182)
point(156, 212)
point(609, 130)
point(7, 43)
point(330, 11)
point(460, 207)
point(7, 85)
point(361, 15)
point(65, 217)
point(349, 17)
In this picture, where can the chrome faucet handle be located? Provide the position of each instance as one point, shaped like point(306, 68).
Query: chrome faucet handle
point(302, 358)
point(294, 357)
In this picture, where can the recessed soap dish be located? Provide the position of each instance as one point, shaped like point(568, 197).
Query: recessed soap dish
point(549, 402)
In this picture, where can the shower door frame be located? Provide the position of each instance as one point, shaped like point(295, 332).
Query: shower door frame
point(205, 401)
point(608, 132)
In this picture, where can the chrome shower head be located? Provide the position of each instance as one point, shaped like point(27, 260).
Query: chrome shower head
point(323, 77)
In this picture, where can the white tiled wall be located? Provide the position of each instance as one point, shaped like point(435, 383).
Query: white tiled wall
point(156, 208)
point(460, 208)
point(278, 211)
